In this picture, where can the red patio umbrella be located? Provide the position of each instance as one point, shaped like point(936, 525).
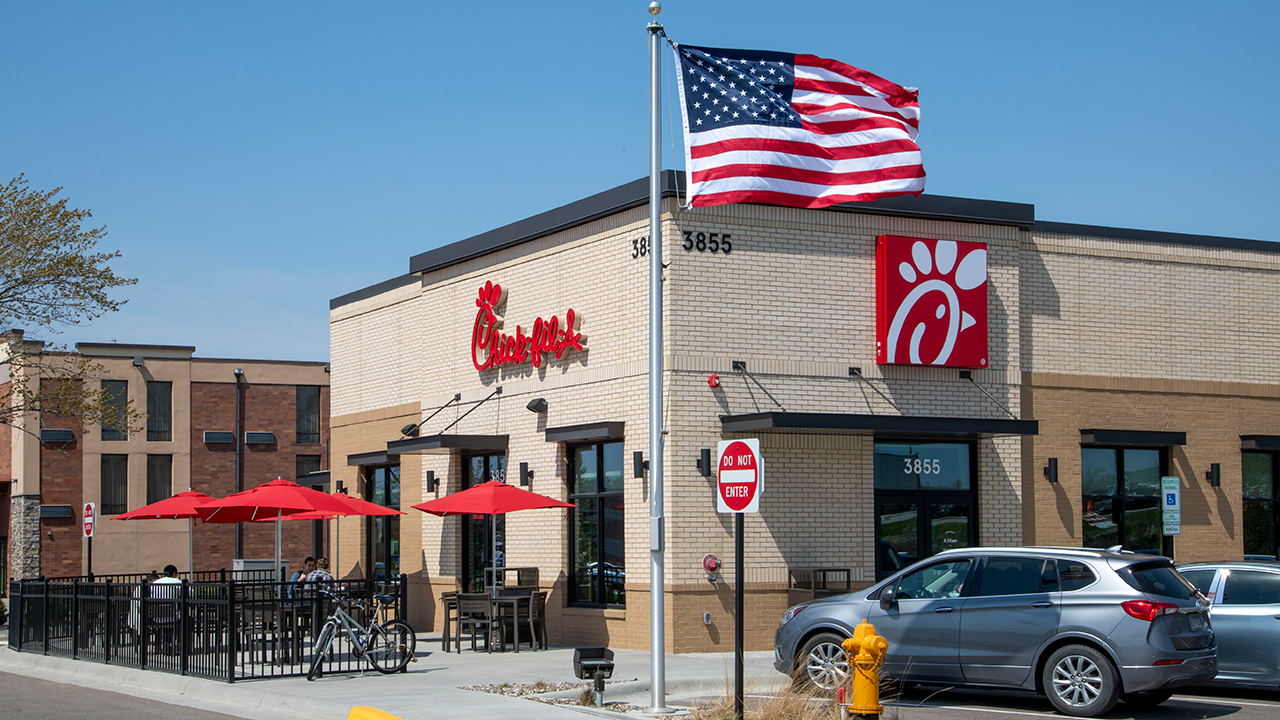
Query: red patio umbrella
point(491, 498)
point(175, 507)
point(279, 497)
point(360, 506)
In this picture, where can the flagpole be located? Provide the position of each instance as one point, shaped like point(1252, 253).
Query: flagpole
point(657, 580)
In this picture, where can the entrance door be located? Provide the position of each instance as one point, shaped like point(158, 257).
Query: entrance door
point(480, 531)
point(382, 533)
point(924, 502)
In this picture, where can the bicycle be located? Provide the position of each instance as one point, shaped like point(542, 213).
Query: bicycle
point(388, 646)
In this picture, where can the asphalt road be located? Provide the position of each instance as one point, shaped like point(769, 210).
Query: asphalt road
point(32, 699)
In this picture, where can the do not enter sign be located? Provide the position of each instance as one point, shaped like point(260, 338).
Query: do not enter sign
point(740, 478)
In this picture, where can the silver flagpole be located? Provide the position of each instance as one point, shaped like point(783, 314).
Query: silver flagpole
point(657, 581)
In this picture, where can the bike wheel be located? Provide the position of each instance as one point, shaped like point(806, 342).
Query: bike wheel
point(320, 650)
point(391, 646)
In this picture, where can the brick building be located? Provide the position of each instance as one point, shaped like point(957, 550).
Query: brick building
point(1116, 356)
point(190, 438)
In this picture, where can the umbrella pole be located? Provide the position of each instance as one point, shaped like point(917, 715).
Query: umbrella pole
point(191, 565)
point(276, 570)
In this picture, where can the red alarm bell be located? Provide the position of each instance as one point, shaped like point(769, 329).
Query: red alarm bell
point(713, 380)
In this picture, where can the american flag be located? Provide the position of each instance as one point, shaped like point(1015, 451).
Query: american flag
point(796, 130)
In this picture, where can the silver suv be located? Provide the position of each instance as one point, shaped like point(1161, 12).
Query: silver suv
point(1084, 627)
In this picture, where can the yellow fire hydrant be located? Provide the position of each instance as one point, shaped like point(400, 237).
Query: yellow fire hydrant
point(865, 651)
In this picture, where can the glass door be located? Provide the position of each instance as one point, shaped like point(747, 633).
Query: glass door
point(382, 534)
point(925, 501)
point(481, 533)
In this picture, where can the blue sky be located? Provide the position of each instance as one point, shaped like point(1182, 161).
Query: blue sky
point(254, 160)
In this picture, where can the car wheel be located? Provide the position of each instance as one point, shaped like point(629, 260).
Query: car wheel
point(822, 663)
point(1081, 681)
point(1150, 698)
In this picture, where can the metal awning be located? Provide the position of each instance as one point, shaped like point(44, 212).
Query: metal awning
point(1132, 438)
point(319, 478)
point(444, 444)
point(853, 423)
point(377, 457)
point(1260, 442)
point(590, 432)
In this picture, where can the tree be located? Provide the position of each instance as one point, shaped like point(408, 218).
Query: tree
point(52, 275)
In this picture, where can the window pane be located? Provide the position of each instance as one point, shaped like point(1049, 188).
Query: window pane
point(1142, 527)
point(393, 487)
point(475, 471)
point(1100, 529)
point(304, 465)
point(1251, 587)
point(943, 580)
point(1202, 579)
point(159, 477)
point(117, 400)
point(900, 532)
point(1259, 527)
point(586, 552)
point(1098, 472)
point(1259, 480)
point(1157, 577)
point(612, 467)
point(949, 526)
point(498, 468)
point(584, 467)
point(1074, 576)
point(931, 466)
point(1016, 576)
point(115, 484)
point(308, 413)
point(159, 411)
point(378, 486)
point(893, 461)
point(614, 570)
point(1142, 472)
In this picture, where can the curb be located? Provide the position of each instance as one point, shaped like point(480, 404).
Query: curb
point(231, 698)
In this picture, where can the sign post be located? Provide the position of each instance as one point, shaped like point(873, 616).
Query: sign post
point(739, 482)
point(1171, 505)
point(90, 517)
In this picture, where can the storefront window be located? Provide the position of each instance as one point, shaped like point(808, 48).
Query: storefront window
point(1260, 500)
point(598, 567)
point(925, 501)
point(1120, 490)
point(382, 534)
point(483, 536)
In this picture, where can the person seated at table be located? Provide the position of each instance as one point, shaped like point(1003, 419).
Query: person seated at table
point(164, 615)
point(300, 576)
point(321, 573)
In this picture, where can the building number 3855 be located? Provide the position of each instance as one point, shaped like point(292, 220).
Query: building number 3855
point(922, 467)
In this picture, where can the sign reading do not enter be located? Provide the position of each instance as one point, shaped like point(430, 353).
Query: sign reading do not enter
point(740, 477)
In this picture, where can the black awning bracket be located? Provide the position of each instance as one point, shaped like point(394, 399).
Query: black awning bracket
point(413, 429)
point(856, 372)
point(741, 366)
point(496, 391)
point(968, 375)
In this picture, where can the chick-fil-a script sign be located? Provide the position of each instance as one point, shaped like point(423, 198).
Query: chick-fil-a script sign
point(490, 347)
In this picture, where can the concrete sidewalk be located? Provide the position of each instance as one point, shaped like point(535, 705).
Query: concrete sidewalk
point(431, 688)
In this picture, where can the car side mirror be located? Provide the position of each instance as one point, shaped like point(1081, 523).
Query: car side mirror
point(886, 598)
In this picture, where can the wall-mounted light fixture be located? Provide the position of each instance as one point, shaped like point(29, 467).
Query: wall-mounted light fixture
point(526, 475)
point(342, 488)
point(432, 483)
point(638, 464)
point(1214, 475)
point(410, 430)
point(704, 462)
point(537, 405)
point(1051, 470)
point(238, 373)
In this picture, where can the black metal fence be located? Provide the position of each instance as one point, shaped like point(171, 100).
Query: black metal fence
point(222, 630)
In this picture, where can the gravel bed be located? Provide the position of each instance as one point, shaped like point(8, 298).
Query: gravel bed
point(537, 692)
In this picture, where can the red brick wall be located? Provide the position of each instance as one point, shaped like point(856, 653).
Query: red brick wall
point(61, 483)
point(267, 408)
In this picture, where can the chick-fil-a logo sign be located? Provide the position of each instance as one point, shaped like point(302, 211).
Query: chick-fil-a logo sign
point(931, 302)
point(490, 347)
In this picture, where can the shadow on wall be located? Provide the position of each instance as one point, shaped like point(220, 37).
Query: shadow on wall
point(1037, 297)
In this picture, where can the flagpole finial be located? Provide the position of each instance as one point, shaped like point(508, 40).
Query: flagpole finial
point(655, 7)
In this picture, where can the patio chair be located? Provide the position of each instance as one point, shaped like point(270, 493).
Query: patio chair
point(475, 611)
point(538, 619)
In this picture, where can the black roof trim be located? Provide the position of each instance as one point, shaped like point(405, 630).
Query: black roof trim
point(589, 432)
point(1156, 236)
point(1260, 442)
point(432, 444)
point(372, 290)
point(889, 424)
point(1132, 438)
point(945, 207)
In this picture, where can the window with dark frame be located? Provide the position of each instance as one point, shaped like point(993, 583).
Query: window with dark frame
point(159, 411)
point(925, 498)
point(1261, 480)
point(159, 477)
point(597, 567)
point(484, 537)
point(117, 402)
point(1120, 489)
point(115, 484)
point(308, 414)
point(305, 465)
point(382, 532)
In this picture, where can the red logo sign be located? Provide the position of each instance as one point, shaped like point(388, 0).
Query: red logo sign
point(490, 347)
point(90, 520)
point(738, 482)
point(931, 302)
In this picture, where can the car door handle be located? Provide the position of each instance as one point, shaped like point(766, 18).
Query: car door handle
point(944, 609)
point(1041, 604)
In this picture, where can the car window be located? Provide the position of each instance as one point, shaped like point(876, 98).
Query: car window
point(1202, 579)
point(1251, 587)
point(1074, 575)
point(1017, 576)
point(1157, 577)
point(943, 580)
